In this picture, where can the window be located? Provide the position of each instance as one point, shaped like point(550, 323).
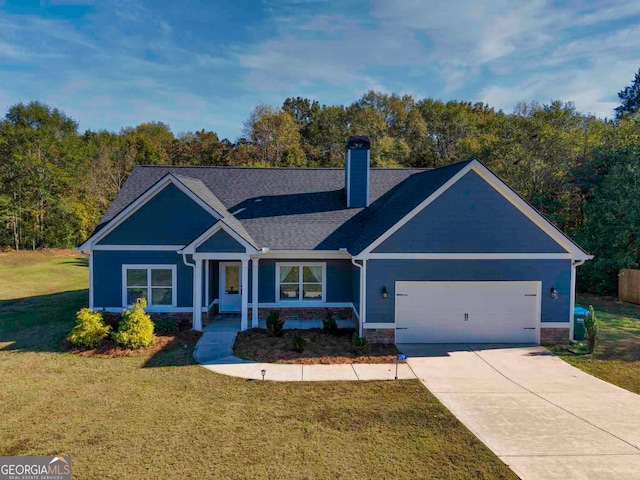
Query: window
point(155, 283)
point(300, 282)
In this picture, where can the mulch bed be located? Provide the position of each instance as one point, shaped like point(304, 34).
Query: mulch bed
point(109, 349)
point(322, 348)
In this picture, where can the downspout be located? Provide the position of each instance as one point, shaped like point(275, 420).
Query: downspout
point(360, 311)
point(192, 265)
point(184, 259)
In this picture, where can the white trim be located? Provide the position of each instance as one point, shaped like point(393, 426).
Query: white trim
point(213, 302)
point(149, 268)
point(147, 248)
point(91, 280)
point(139, 202)
point(348, 173)
point(244, 292)
point(255, 262)
point(206, 281)
point(538, 311)
point(197, 296)
point(360, 300)
point(501, 188)
point(555, 325)
point(370, 326)
point(363, 292)
point(572, 302)
point(304, 254)
point(220, 256)
point(300, 266)
point(357, 315)
point(468, 256)
point(211, 231)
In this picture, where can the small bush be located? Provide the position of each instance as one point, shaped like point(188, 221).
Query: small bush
point(89, 329)
point(592, 327)
point(330, 325)
point(360, 344)
point(275, 323)
point(136, 327)
point(166, 325)
point(299, 343)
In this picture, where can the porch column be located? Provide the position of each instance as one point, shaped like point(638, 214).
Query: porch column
point(197, 296)
point(254, 293)
point(245, 294)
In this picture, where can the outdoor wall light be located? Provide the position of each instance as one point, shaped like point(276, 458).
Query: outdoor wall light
point(554, 293)
point(385, 294)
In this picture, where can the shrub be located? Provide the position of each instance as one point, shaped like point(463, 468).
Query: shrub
point(330, 325)
point(89, 329)
point(166, 325)
point(360, 344)
point(592, 327)
point(275, 323)
point(136, 327)
point(299, 343)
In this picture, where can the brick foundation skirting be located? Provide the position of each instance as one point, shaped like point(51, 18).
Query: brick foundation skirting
point(182, 318)
point(550, 336)
point(304, 313)
point(380, 335)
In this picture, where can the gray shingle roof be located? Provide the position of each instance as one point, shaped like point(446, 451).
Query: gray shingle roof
point(200, 189)
point(295, 208)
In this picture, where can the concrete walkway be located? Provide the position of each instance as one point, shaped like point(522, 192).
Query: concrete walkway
point(541, 416)
point(214, 352)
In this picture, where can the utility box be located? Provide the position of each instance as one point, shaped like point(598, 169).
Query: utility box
point(578, 322)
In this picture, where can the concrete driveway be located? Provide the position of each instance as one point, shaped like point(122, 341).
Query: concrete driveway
point(541, 416)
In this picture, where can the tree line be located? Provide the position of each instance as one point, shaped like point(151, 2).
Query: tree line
point(580, 171)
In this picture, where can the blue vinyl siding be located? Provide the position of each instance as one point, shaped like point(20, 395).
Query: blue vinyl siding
point(355, 287)
point(552, 273)
point(338, 282)
point(470, 217)
point(214, 285)
point(221, 241)
point(107, 275)
point(358, 173)
point(169, 218)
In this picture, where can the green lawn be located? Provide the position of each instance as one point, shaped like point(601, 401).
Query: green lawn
point(130, 418)
point(617, 355)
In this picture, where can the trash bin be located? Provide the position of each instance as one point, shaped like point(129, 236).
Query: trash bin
point(578, 322)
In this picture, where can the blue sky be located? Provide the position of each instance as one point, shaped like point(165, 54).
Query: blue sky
point(206, 64)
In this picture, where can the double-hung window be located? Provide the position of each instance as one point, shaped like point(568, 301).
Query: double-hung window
point(155, 283)
point(300, 282)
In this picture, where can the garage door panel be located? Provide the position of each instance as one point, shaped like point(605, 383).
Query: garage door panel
point(497, 312)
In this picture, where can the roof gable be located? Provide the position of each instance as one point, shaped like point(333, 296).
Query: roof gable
point(221, 241)
point(510, 195)
point(470, 217)
point(170, 217)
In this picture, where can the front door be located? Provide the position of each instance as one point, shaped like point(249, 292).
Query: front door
point(230, 287)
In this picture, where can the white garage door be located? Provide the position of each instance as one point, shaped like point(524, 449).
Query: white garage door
point(461, 312)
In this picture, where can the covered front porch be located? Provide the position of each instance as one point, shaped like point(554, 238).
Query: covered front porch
point(249, 286)
point(222, 284)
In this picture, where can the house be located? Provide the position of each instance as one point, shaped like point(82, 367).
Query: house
point(450, 254)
